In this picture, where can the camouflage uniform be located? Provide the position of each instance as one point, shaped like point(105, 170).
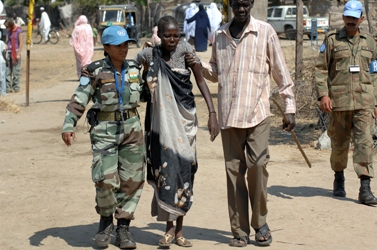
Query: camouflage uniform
point(353, 97)
point(117, 144)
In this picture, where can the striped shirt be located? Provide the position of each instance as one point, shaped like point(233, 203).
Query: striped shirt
point(243, 72)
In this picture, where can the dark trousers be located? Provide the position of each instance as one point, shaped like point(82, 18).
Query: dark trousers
point(246, 154)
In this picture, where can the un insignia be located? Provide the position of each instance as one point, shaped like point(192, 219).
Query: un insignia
point(84, 80)
point(322, 48)
point(373, 67)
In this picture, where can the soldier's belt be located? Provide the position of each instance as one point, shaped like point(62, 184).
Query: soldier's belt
point(116, 115)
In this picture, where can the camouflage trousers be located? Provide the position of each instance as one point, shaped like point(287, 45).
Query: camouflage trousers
point(118, 168)
point(361, 124)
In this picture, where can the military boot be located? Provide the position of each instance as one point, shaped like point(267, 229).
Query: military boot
point(103, 236)
point(124, 238)
point(365, 194)
point(339, 184)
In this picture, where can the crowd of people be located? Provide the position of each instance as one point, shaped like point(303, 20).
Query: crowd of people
point(200, 25)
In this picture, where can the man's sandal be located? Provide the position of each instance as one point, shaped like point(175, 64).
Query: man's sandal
point(263, 236)
point(183, 242)
point(166, 241)
point(239, 241)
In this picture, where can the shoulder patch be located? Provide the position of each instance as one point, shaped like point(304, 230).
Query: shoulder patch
point(133, 63)
point(94, 65)
point(84, 80)
point(322, 48)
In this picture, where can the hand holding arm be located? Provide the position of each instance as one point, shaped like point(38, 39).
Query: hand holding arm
point(190, 60)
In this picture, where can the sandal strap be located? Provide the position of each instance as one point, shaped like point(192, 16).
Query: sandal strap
point(168, 238)
point(184, 241)
point(263, 232)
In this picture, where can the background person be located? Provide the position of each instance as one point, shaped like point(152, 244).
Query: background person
point(113, 84)
point(171, 126)
point(155, 39)
point(18, 20)
point(189, 28)
point(14, 44)
point(202, 26)
point(347, 89)
point(244, 110)
point(215, 18)
point(95, 34)
point(82, 42)
point(44, 24)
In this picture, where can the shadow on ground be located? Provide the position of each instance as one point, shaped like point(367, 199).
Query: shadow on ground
point(83, 235)
point(302, 191)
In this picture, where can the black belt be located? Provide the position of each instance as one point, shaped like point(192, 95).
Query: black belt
point(116, 115)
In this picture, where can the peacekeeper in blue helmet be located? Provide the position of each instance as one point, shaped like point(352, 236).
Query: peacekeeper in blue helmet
point(114, 85)
point(346, 83)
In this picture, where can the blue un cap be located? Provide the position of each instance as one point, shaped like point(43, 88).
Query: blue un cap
point(353, 8)
point(115, 35)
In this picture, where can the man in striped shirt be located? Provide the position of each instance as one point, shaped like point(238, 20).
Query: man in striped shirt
point(245, 53)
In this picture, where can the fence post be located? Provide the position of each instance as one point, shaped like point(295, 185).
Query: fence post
point(299, 39)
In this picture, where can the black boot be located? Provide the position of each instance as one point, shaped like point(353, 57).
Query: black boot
point(365, 194)
point(124, 238)
point(339, 184)
point(103, 236)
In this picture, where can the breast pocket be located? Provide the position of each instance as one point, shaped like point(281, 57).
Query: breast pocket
point(342, 57)
point(135, 90)
point(109, 94)
point(365, 60)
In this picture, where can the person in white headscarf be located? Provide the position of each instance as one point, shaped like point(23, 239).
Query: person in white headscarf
point(189, 28)
point(44, 24)
point(215, 18)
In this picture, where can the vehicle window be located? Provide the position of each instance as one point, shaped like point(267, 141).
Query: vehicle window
point(112, 16)
point(305, 11)
point(278, 12)
point(269, 12)
point(294, 11)
point(289, 12)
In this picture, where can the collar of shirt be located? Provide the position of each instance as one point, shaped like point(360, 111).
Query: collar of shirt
point(343, 33)
point(108, 65)
point(251, 27)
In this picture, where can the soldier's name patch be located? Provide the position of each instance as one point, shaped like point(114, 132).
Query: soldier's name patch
point(322, 48)
point(84, 80)
point(373, 67)
point(103, 81)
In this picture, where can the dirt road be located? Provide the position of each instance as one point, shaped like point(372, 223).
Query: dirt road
point(47, 196)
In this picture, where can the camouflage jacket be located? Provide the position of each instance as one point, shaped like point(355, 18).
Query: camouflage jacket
point(97, 83)
point(348, 91)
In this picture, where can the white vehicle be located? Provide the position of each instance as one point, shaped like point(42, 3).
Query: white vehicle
point(3, 17)
point(283, 20)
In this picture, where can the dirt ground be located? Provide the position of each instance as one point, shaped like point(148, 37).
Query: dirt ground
point(47, 196)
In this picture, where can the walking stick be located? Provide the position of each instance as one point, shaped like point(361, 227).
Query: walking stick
point(293, 134)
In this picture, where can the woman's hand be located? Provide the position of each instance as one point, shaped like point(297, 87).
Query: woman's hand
point(213, 126)
point(66, 136)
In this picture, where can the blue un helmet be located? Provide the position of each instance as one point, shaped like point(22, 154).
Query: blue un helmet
point(115, 35)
